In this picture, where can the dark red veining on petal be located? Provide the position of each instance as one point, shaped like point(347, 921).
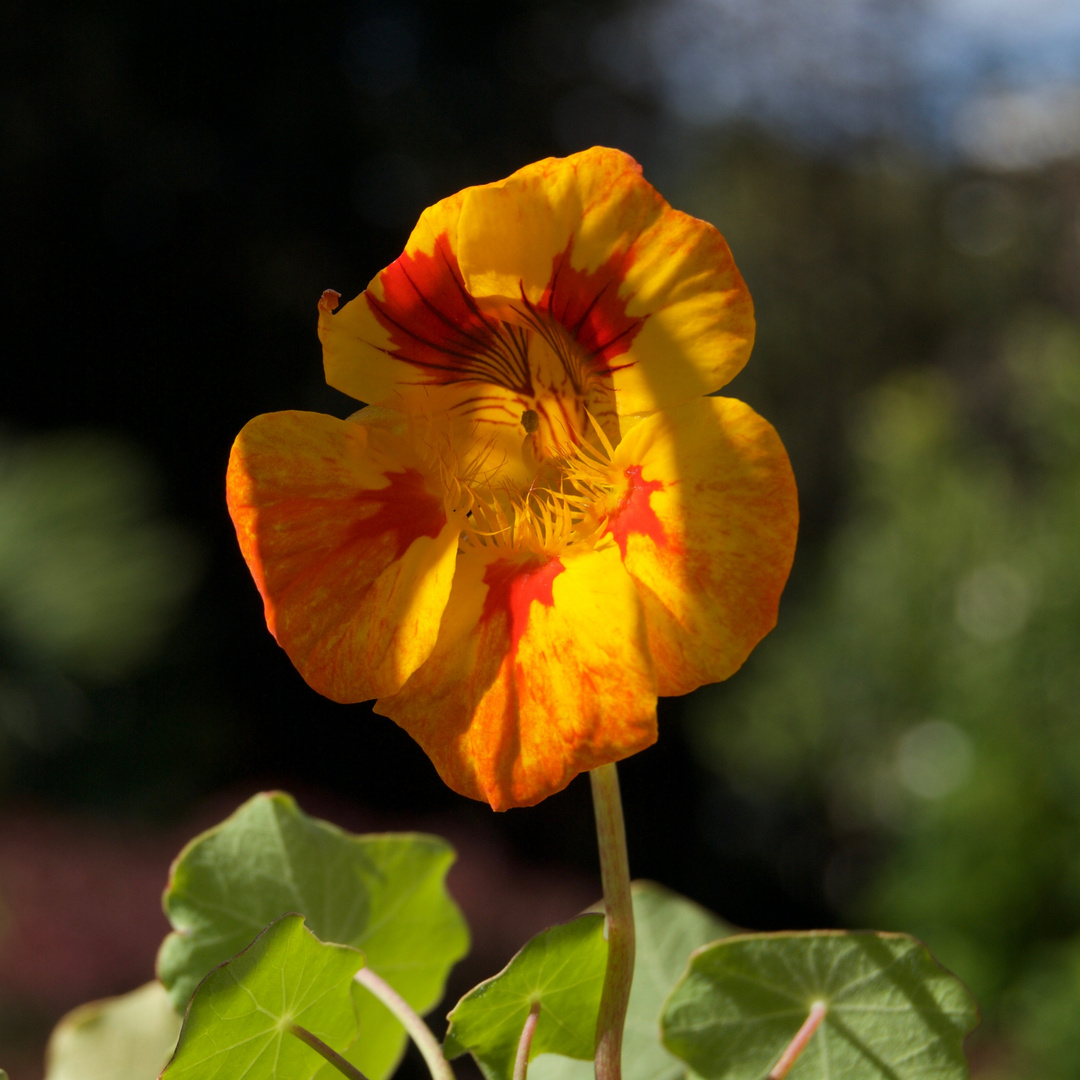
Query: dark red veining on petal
point(512, 588)
point(587, 304)
point(634, 514)
point(437, 326)
point(404, 509)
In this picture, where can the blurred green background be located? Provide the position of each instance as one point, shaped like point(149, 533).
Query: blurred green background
point(900, 184)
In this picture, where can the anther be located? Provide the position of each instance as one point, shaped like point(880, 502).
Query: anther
point(530, 421)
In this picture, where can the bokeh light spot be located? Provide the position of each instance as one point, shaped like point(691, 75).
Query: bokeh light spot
point(934, 759)
point(993, 602)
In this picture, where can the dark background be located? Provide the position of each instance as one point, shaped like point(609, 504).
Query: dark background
point(181, 182)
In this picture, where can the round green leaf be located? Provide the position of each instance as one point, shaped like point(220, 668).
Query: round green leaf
point(562, 968)
point(384, 894)
point(892, 1012)
point(669, 927)
point(121, 1038)
point(237, 1023)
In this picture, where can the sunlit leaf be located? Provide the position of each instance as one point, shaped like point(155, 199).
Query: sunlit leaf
point(669, 927)
point(562, 968)
point(121, 1038)
point(238, 1021)
point(892, 1012)
point(383, 894)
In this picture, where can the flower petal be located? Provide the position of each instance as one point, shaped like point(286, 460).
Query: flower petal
point(351, 549)
point(645, 297)
point(650, 291)
point(541, 671)
point(706, 524)
point(417, 342)
point(415, 305)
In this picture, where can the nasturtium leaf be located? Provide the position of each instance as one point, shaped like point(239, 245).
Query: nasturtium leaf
point(669, 927)
point(892, 1012)
point(384, 894)
point(237, 1023)
point(562, 968)
point(121, 1038)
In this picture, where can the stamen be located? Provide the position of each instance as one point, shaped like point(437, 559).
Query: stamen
point(600, 434)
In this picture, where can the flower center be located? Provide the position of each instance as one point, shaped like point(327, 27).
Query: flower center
point(553, 379)
point(566, 504)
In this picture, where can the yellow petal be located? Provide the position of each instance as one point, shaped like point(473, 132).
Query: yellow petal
point(359, 349)
point(698, 328)
point(349, 545)
point(576, 262)
point(653, 292)
point(706, 518)
point(541, 671)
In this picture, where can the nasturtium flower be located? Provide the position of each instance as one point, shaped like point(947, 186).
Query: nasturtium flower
point(540, 521)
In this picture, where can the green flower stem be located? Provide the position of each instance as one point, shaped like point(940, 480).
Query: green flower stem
point(346, 1068)
point(798, 1044)
point(615, 875)
point(411, 1020)
point(521, 1062)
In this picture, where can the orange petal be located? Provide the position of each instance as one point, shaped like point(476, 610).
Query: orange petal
point(541, 671)
point(706, 523)
point(349, 545)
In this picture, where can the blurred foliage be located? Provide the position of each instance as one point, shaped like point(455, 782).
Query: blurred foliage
point(115, 1039)
point(927, 691)
point(866, 265)
point(91, 576)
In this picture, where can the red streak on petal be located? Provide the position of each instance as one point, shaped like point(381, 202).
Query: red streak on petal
point(634, 514)
point(404, 509)
point(512, 588)
point(436, 325)
point(587, 304)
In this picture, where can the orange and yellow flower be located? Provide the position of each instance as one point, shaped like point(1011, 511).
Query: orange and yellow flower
point(540, 521)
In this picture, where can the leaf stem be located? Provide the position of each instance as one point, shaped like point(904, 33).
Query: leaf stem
point(346, 1068)
point(615, 875)
point(521, 1062)
point(411, 1020)
point(798, 1044)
